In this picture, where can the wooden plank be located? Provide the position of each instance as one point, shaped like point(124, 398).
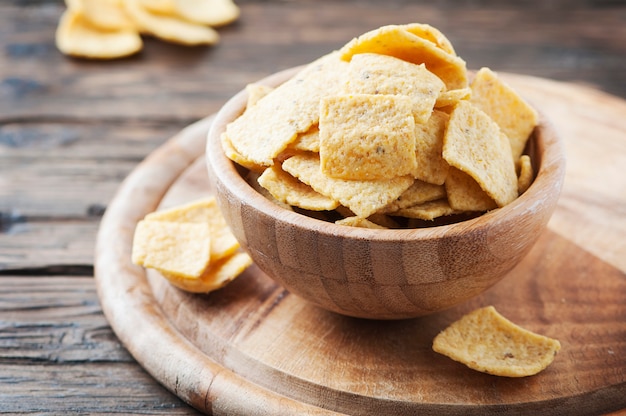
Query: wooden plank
point(70, 169)
point(194, 82)
point(56, 347)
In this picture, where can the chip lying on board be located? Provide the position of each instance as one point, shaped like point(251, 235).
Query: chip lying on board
point(109, 29)
point(391, 129)
point(486, 341)
point(190, 245)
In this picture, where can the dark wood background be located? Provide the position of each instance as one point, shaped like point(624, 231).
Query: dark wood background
point(71, 130)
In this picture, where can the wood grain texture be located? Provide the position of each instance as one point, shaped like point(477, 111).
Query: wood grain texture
point(254, 334)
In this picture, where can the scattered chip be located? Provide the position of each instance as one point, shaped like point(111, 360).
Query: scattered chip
point(474, 144)
point(395, 40)
point(215, 277)
point(208, 12)
point(206, 211)
point(370, 73)
point(486, 341)
point(367, 137)
point(190, 245)
point(291, 108)
point(178, 249)
point(107, 14)
point(516, 118)
point(526, 174)
point(171, 28)
point(361, 197)
point(109, 29)
point(289, 190)
point(76, 36)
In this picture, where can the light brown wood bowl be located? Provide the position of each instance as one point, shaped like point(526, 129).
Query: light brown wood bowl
point(383, 274)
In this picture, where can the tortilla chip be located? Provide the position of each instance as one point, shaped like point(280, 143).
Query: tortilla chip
point(359, 222)
point(431, 34)
point(464, 193)
point(526, 174)
point(362, 197)
point(256, 92)
point(179, 249)
point(289, 190)
point(367, 137)
point(370, 73)
point(450, 98)
point(486, 341)
point(396, 40)
point(431, 166)
point(418, 193)
point(289, 109)
point(474, 144)
point(516, 118)
point(428, 211)
point(205, 210)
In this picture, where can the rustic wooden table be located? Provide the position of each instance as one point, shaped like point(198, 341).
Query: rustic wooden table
point(71, 130)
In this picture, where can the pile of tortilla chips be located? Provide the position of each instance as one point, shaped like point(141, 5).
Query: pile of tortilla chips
point(109, 29)
point(190, 245)
point(387, 132)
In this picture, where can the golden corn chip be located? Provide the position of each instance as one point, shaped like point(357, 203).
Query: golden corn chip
point(418, 193)
point(516, 117)
point(215, 277)
point(465, 194)
point(207, 12)
point(370, 73)
point(205, 210)
point(256, 92)
point(178, 249)
point(170, 27)
point(367, 137)
point(526, 174)
point(431, 166)
point(474, 144)
point(291, 108)
point(165, 7)
point(396, 40)
point(359, 222)
point(233, 154)
point(107, 14)
point(289, 190)
point(382, 220)
point(76, 36)
point(428, 211)
point(253, 179)
point(308, 141)
point(362, 197)
point(432, 34)
point(448, 98)
point(486, 341)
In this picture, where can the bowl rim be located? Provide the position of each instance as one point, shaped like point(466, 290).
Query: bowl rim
point(548, 180)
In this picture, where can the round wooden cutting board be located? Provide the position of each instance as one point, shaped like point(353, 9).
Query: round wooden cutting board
point(253, 348)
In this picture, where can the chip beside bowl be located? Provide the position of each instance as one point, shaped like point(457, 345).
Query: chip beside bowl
point(383, 273)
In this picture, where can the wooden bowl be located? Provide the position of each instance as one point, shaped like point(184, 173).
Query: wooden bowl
point(383, 274)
